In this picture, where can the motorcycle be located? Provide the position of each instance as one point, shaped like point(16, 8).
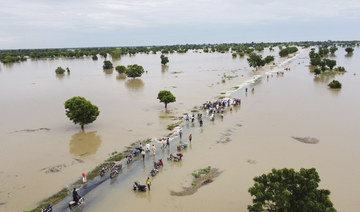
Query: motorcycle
point(139, 187)
point(73, 204)
point(158, 164)
point(48, 208)
point(115, 170)
point(153, 172)
point(175, 158)
point(181, 146)
point(129, 158)
point(102, 171)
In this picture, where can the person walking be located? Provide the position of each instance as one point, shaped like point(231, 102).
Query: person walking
point(167, 143)
point(143, 154)
point(190, 138)
point(153, 148)
point(148, 183)
point(180, 134)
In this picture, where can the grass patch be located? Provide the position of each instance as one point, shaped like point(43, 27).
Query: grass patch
point(200, 172)
point(222, 93)
point(328, 73)
point(115, 157)
point(236, 87)
point(53, 199)
point(194, 111)
point(172, 126)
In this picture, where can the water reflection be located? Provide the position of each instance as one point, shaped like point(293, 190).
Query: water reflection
point(60, 76)
point(108, 71)
point(84, 143)
point(164, 68)
point(121, 77)
point(335, 92)
point(323, 79)
point(134, 84)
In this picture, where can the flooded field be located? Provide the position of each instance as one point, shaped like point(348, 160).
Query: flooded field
point(258, 134)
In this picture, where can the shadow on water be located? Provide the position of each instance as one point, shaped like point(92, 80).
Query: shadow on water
point(134, 84)
point(84, 143)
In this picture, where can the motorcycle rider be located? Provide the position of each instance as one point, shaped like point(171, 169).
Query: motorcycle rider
point(76, 196)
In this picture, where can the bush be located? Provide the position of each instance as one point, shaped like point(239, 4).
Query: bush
point(340, 69)
point(59, 70)
point(107, 65)
point(120, 69)
point(317, 71)
point(334, 84)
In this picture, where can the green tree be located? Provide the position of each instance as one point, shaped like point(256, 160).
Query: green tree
point(134, 71)
point(166, 97)
point(288, 190)
point(164, 59)
point(94, 57)
point(255, 60)
point(334, 84)
point(349, 50)
point(333, 49)
point(59, 70)
point(317, 71)
point(269, 59)
point(330, 63)
point(81, 111)
point(107, 65)
point(68, 70)
point(234, 55)
point(120, 69)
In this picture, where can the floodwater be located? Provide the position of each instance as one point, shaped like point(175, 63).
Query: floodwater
point(259, 135)
point(259, 132)
point(33, 97)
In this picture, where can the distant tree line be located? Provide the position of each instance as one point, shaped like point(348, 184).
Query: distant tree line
point(11, 56)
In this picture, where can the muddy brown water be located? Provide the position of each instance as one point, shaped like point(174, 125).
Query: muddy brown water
point(260, 131)
point(33, 97)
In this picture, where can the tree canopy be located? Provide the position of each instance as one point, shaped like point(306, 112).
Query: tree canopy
point(288, 190)
point(107, 65)
point(134, 71)
point(81, 111)
point(255, 60)
point(269, 59)
point(287, 51)
point(59, 70)
point(164, 59)
point(166, 97)
point(349, 50)
point(120, 69)
point(334, 84)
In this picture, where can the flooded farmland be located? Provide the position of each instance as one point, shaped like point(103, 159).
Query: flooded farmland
point(36, 136)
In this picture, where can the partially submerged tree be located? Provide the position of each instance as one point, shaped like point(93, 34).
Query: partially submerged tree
point(288, 190)
point(107, 65)
point(164, 59)
point(334, 84)
point(166, 97)
point(120, 69)
point(333, 49)
point(59, 70)
point(81, 111)
point(255, 60)
point(349, 50)
point(269, 59)
point(330, 63)
point(134, 71)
